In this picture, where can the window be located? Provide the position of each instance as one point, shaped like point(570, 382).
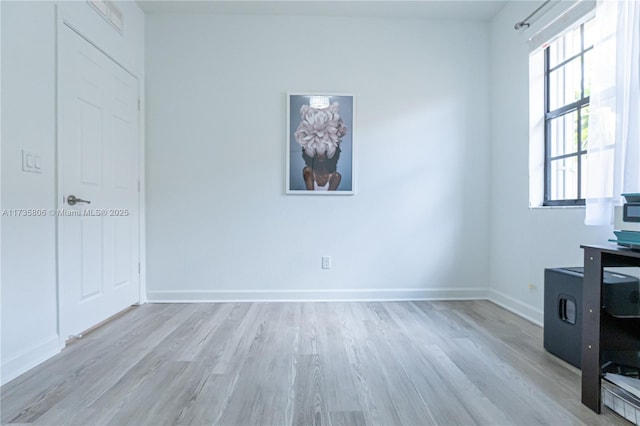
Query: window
point(567, 77)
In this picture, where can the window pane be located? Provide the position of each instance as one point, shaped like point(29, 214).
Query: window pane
point(564, 47)
point(564, 179)
point(564, 134)
point(588, 72)
point(589, 33)
point(565, 85)
point(583, 177)
point(584, 116)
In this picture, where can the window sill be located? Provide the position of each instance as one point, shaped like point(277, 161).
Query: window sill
point(555, 207)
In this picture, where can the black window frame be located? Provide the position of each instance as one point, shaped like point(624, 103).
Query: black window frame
point(549, 115)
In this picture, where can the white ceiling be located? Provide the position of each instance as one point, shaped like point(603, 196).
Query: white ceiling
point(428, 9)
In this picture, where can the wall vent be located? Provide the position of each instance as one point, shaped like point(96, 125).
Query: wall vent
point(109, 12)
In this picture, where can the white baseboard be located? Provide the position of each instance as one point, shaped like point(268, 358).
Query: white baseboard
point(354, 295)
point(29, 358)
point(527, 312)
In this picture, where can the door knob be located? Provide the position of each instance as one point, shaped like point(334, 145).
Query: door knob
point(72, 200)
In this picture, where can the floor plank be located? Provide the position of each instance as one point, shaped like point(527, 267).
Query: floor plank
point(373, 363)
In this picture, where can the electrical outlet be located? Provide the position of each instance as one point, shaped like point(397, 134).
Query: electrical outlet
point(326, 262)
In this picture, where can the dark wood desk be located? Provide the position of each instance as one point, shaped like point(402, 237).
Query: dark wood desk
point(602, 334)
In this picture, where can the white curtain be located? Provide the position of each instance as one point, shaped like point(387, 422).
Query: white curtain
point(613, 152)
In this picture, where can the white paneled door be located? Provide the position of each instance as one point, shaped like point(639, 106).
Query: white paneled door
point(98, 216)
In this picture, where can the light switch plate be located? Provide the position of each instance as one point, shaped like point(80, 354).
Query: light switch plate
point(31, 162)
point(326, 262)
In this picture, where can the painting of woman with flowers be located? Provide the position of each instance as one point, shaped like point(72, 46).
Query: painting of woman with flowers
point(320, 148)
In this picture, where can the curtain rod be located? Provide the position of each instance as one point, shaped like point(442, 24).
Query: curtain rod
point(524, 22)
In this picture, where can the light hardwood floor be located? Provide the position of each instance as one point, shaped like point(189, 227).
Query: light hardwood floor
point(391, 363)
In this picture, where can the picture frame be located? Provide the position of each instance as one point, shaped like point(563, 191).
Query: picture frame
point(320, 144)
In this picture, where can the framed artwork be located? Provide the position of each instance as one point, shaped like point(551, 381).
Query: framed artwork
point(320, 144)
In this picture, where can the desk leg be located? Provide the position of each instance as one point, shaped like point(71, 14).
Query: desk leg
point(591, 297)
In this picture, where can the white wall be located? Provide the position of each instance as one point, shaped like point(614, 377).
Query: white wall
point(523, 241)
point(29, 331)
point(219, 224)
point(29, 310)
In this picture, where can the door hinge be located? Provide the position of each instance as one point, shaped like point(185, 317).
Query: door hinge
point(138, 186)
point(138, 104)
point(138, 268)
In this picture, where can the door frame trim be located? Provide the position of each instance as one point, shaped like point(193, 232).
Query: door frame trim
point(61, 22)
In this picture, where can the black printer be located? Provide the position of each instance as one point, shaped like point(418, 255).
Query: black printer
point(621, 295)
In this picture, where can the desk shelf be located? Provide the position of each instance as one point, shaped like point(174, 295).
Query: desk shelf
point(603, 334)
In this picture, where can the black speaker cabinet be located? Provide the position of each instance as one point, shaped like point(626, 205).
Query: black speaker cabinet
point(563, 313)
point(563, 308)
